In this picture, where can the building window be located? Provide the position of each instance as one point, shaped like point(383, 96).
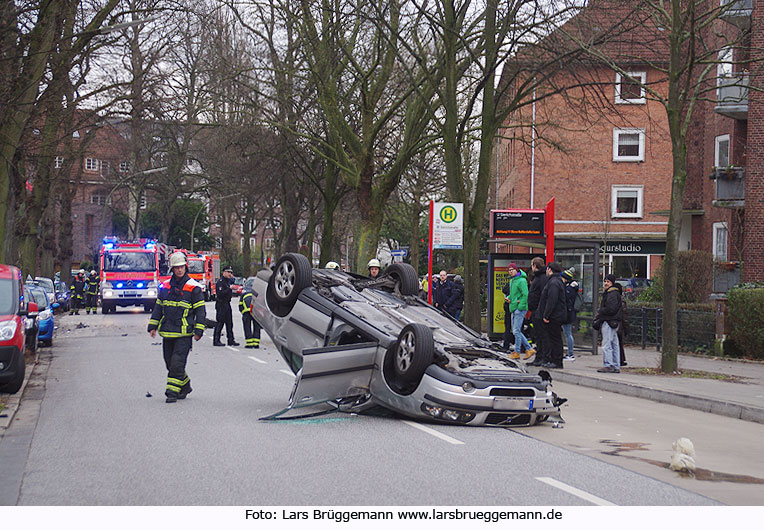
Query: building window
point(720, 241)
point(58, 163)
point(628, 145)
point(105, 167)
point(722, 151)
point(91, 164)
point(268, 243)
point(627, 201)
point(630, 88)
point(76, 134)
point(99, 198)
point(724, 66)
point(124, 166)
point(143, 200)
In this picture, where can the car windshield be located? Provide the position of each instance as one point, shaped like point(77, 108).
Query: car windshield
point(195, 266)
point(39, 298)
point(45, 283)
point(128, 261)
point(61, 287)
point(6, 296)
point(239, 281)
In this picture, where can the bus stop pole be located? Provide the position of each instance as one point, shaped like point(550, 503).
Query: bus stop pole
point(429, 255)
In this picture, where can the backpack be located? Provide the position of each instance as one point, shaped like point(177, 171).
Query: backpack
point(578, 303)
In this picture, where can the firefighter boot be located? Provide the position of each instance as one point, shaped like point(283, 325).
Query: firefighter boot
point(184, 391)
point(172, 397)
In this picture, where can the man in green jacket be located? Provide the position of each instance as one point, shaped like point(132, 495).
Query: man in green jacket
point(515, 306)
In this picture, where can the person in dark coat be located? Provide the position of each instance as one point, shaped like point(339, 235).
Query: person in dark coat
point(456, 302)
point(442, 294)
point(608, 320)
point(553, 307)
point(223, 313)
point(537, 320)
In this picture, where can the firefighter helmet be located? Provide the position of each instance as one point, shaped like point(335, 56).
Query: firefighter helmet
point(92, 273)
point(374, 262)
point(82, 271)
point(177, 259)
point(332, 265)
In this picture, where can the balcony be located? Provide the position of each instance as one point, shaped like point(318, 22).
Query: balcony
point(730, 186)
point(726, 276)
point(737, 12)
point(732, 96)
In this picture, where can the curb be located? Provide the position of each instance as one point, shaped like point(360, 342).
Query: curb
point(13, 403)
point(722, 408)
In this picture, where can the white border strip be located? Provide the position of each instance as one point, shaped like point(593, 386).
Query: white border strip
point(257, 360)
point(575, 491)
point(433, 432)
point(231, 348)
point(290, 374)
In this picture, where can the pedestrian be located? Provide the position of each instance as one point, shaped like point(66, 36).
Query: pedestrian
point(374, 267)
point(571, 294)
point(223, 313)
point(91, 293)
point(554, 309)
point(251, 327)
point(515, 307)
point(456, 302)
point(607, 320)
point(78, 292)
point(538, 268)
point(178, 316)
point(442, 294)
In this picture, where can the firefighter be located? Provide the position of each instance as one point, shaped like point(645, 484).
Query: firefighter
point(78, 291)
point(374, 267)
point(91, 293)
point(224, 315)
point(251, 327)
point(178, 315)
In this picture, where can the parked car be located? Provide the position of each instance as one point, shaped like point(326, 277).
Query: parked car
point(15, 311)
point(63, 295)
point(249, 285)
point(358, 342)
point(237, 287)
point(45, 319)
point(632, 287)
point(48, 285)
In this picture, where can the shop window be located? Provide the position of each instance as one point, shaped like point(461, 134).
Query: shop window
point(627, 201)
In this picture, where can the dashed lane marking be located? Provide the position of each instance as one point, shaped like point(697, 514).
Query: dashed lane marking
point(581, 494)
point(257, 360)
point(433, 432)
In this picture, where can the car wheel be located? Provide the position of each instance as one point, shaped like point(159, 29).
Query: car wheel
point(405, 278)
point(414, 352)
point(14, 385)
point(291, 275)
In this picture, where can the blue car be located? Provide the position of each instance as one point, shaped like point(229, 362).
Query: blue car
point(45, 322)
point(63, 295)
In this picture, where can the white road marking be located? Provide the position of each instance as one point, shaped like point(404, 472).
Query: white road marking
point(231, 348)
point(257, 360)
point(575, 491)
point(433, 432)
point(287, 372)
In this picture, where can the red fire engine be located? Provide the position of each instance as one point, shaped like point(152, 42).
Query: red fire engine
point(129, 274)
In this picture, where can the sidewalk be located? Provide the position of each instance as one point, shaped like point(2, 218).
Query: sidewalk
point(743, 400)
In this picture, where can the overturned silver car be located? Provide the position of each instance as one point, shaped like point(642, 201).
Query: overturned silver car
point(357, 343)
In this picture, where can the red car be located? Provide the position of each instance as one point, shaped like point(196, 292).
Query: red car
point(13, 312)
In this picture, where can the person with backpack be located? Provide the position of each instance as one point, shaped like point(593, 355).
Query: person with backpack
point(572, 297)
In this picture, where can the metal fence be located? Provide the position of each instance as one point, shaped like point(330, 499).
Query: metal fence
point(696, 330)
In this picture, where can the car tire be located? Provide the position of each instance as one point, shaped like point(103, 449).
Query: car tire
point(291, 275)
point(414, 352)
point(14, 385)
point(405, 277)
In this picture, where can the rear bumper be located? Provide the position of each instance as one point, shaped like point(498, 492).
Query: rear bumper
point(46, 330)
point(8, 358)
point(130, 297)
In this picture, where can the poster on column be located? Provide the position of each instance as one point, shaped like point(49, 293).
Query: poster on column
point(447, 225)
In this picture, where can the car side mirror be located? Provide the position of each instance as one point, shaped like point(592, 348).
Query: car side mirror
point(32, 309)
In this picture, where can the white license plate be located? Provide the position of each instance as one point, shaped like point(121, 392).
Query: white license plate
point(502, 403)
point(130, 293)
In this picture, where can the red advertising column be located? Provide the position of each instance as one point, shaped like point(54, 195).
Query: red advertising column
point(549, 229)
point(429, 255)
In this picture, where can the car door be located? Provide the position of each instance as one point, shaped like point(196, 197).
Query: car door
point(333, 372)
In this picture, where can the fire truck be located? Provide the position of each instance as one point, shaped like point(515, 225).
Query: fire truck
point(129, 274)
point(211, 273)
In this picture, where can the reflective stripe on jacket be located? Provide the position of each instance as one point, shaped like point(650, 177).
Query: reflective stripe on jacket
point(92, 285)
point(245, 302)
point(179, 309)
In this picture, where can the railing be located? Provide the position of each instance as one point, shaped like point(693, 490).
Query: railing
point(737, 8)
point(696, 330)
point(732, 91)
point(730, 184)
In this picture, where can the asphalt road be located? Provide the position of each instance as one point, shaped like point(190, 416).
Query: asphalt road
point(88, 433)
